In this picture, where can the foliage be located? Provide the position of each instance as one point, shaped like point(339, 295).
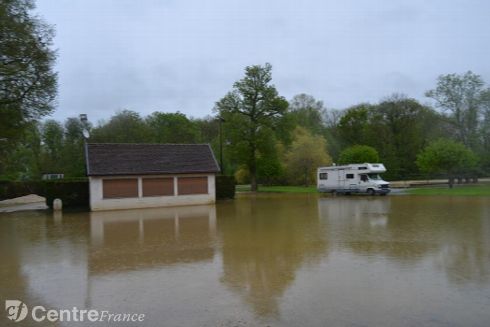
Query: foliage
point(73, 148)
point(485, 137)
point(398, 128)
point(269, 170)
point(28, 82)
point(24, 161)
point(307, 153)
point(73, 193)
point(172, 128)
point(254, 130)
point(354, 123)
point(464, 97)
point(125, 126)
point(52, 134)
point(253, 107)
point(307, 112)
point(242, 176)
point(448, 157)
point(358, 154)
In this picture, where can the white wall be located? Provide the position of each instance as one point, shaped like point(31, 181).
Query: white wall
point(97, 202)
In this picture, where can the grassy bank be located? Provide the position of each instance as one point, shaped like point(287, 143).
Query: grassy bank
point(464, 190)
point(279, 189)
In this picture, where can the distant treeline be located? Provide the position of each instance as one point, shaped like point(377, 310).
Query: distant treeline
point(287, 150)
point(265, 138)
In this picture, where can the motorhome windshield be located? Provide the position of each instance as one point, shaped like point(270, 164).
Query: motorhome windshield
point(374, 177)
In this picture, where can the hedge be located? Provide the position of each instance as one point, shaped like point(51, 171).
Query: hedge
point(225, 187)
point(73, 193)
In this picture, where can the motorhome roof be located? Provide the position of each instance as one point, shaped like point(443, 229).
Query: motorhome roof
point(368, 167)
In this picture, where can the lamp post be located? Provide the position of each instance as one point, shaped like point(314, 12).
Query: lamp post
point(221, 120)
point(83, 119)
point(86, 135)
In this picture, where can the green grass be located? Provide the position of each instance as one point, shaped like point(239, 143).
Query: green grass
point(279, 189)
point(465, 190)
point(459, 190)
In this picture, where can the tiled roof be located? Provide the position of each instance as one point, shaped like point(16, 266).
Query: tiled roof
point(146, 159)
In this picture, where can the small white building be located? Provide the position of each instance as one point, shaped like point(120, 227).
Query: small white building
point(129, 176)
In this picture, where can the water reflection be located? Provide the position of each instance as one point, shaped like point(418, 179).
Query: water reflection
point(454, 232)
point(261, 259)
point(265, 240)
point(42, 258)
point(139, 239)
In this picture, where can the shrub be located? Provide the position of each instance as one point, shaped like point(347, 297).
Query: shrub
point(358, 154)
point(225, 187)
point(73, 193)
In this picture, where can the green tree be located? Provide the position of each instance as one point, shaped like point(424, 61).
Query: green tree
point(269, 166)
point(332, 132)
point(358, 154)
point(23, 161)
point(73, 151)
point(307, 112)
point(172, 128)
point(353, 124)
point(307, 153)
point(463, 97)
point(252, 107)
point(398, 128)
point(124, 127)
point(52, 135)
point(28, 83)
point(485, 153)
point(208, 128)
point(447, 157)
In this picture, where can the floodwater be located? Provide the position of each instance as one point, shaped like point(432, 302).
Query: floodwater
point(260, 260)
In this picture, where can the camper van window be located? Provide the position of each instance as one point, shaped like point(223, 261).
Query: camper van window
point(364, 178)
point(374, 176)
point(349, 176)
point(362, 168)
point(323, 175)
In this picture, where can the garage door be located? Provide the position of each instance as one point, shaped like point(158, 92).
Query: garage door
point(120, 188)
point(193, 185)
point(158, 186)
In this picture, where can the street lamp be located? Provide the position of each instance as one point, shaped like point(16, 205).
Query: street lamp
point(86, 135)
point(83, 119)
point(221, 120)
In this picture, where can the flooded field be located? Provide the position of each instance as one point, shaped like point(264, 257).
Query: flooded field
point(264, 260)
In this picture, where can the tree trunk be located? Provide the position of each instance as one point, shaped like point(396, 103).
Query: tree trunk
point(252, 167)
point(252, 163)
point(451, 182)
point(253, 182)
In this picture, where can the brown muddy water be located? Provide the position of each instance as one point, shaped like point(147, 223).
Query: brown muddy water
point(264, 260)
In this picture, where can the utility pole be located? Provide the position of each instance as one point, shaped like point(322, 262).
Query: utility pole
point(221, 120)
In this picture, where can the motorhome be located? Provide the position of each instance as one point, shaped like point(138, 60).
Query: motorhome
point(353, 178)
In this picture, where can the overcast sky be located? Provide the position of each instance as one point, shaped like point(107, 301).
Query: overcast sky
point(171, 55)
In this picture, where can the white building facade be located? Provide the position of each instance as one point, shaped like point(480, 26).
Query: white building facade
point(130, 176)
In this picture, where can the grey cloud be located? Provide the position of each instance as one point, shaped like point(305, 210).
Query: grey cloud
point(185, 55)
